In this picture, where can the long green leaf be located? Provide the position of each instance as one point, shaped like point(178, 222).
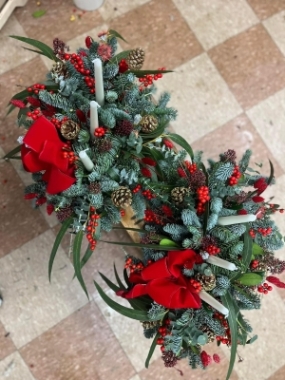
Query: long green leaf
point(88, 253)
point(65, 225)
point(151, 350)
point(126, 278)
point(111, 285)
point(232, 319)
point(76, 260)
point(118, 57)
point(114, 33)
point(156, 247)
point(182, 142)
point(33, 50)
point(142, 73)
point(247, 249)
point(129, 229)
point(133, 314)
point(271, 173)
point(45, 49)
point(121, 285)
point(12, 153)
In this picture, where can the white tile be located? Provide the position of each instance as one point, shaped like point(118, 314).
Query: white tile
point(14, 368)
point(266, 355)
point(12, 53)
point(129, 332)
point(135, 378)
point(202, 98)
point(268, 117)
point(275, 26)
point(31, 304)
point(111, 8)
point(214, 21)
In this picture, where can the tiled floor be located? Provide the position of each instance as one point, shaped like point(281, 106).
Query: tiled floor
point(229, 88)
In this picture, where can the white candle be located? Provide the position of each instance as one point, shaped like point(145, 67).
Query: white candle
point(99, 85)
point(94, 123)
point(221, 263)
point(213, 302)
point(235, 219)
point(86, 160)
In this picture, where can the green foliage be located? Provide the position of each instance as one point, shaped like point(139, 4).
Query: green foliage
point(190, 218)
point(224, 171)
point(243, 164)
point(156, 312)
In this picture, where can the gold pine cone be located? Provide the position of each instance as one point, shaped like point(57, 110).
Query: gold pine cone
point(69, 129)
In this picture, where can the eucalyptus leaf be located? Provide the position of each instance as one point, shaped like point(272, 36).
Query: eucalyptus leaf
point(257, 250)
point(168, 242)
point(250, 279)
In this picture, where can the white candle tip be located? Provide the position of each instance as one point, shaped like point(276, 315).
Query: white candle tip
point(235, 219)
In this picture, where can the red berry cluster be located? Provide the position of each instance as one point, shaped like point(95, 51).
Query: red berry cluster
point(40, 201)
point(203, 197)
point(148, 194)
point(35, 88)
point(167, 211)
point(123, 66)
point(58, 123)
point(137, 189)
point(181, 172)
point(100, 132)
point(212, 249)
point(132, 266)
point(123, 213)
point(163, 331)
point(264, 288)
point(196, 285)
point(191, 167)
point(254, 264)
point(91, 228)
point(69, 154)
point(77, 62)
point(226, 339)
point(252, 233)
point(263, 231)
point(233, 180)
point(34, 114)
point(147, 80)
point(168, 143)
point(151, 217)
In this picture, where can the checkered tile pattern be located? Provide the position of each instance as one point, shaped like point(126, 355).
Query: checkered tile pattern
point(228, 85)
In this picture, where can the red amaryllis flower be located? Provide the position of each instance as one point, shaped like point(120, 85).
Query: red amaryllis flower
point(164, 282)
point(42, 150)
point(146, 172)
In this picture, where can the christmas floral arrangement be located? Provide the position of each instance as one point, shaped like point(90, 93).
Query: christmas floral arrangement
point(206, 237)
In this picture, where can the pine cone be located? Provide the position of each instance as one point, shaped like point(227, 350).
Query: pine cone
point(103, 145)
point(135, 59)
point(169, 358)
point(178, 195)
point(148, 123)
point(210, 334)
point(94, 187)
point(64, 213)
point(124, 128)
point(151, 324)
point(122, 197)
point(69, 129)
point(208, 282)
point(58, 68)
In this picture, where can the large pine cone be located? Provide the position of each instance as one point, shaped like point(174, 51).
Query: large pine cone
point(208, 282)
point(122, 197)
point(59, 68)
point(148, 123)
point(69, 129)
point(178, 194)
point(135, 59)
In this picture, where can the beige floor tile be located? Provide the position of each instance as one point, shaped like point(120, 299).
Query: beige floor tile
point(14, 368)
point(6, 344)
point(212, 20)
point(238, 134)
point(136, 377)
point(278, 375)
point(81, 347)
point(201, 97)
point(128, 331)
point(265, 356)
point(158, 28)
point(269, 119)
point(33, 305)
point(12, 53)
point(265, 8)
point(113, 8)
point(275, 26)
point(251, 64)
point(61, 20)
